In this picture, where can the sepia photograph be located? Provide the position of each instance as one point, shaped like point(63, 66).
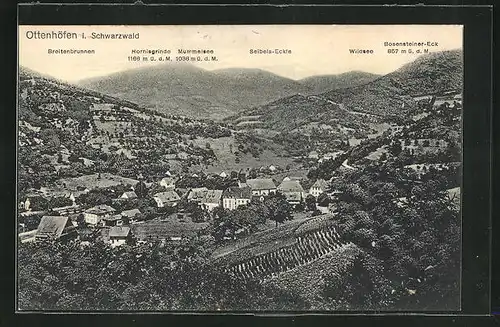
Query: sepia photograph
point(239, 168)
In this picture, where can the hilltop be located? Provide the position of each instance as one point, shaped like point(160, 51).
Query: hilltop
point(184, 89)
point(391, 95)
point(324, 83)
point(433, 73)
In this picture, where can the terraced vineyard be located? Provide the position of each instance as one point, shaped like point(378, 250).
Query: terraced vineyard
point(308, 242)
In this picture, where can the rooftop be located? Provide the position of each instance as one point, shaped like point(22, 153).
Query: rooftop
point(197, 193)
point(130, 194)
point(130, 213)
point(261, 184)
point(167, 196)
point(113, 218)
point(321, 184)
point(53, 226)
point(212, 196)
point(100, 209)
point(167, 229)
point(238, 193)
point(119, 231)
point(290, 186)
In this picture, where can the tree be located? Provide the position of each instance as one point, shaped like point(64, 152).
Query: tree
point(141, 189)
point(279, 208)
point(395, 148)
point(323, 200)
point(197, 214)
point(363, 288)
point(310, 202)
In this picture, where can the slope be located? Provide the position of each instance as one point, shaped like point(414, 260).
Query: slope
point(391, 95)
point(184, 89)
point(324, 83)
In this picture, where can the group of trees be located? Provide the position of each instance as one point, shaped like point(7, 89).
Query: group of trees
point(226, 222)
point(414, 232)
point(67, 276)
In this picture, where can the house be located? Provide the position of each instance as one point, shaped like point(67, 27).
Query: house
point(272, 168)
point(168, 183)
point(130, 214)
point(223, 174)
point(233, 197)
point(211, 200)
point(172, 231)
point(318, 187)
point(67, 210)
point(94, 215)
point(332, 155)
point(168, 198)
point(27, 205)
point(55, 228)
point(115, 220)
point(119, 235)
point(292, 190)
point(28, 236)
point(261, 186)
point(324, 210)
point(196, 194)
point(129, 195)
point(313, 155)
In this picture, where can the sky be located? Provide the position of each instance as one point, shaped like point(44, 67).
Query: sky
point(315, 49)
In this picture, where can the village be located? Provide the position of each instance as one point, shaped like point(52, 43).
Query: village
point(176, 214)
point(185, 205)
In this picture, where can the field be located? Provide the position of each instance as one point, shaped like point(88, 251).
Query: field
point(269, 240)
point(375, 155)
point(308, 279)
point(92, 181)
point(227, 163)
point(113, 127)
point(272, 233)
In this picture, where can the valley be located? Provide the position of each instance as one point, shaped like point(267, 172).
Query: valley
point(231, 189)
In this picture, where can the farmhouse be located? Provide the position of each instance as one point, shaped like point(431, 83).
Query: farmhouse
point(169, 230)
point(233, 197)
point(261, 186)
point(196, 194)
point(94, 215)
point(168, 183)
point(211, 200)
point(168, 198)
point(119, 235)
point(292, 190)
point(55, 228)
point(318, 187)
point(129, 195)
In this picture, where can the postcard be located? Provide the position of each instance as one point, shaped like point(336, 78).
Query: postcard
point(239, 168)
